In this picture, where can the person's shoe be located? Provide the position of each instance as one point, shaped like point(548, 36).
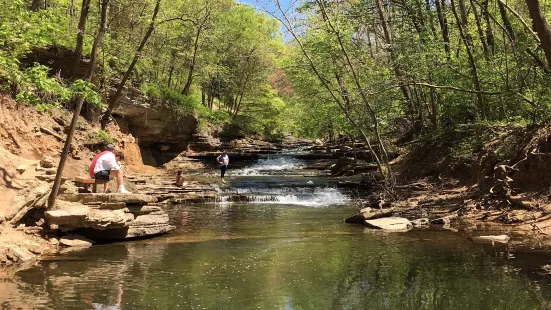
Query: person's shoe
point(223, 181)
point(107, 191)
point(123, 191)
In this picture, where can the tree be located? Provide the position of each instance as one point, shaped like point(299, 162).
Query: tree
point(118, 93)
point(541, 26)
point(79, 102)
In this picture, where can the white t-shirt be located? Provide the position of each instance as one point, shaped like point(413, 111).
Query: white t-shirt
point(223, 159)
point(106, 161)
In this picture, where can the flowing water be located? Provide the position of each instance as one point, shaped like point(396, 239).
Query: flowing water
point(288, 251)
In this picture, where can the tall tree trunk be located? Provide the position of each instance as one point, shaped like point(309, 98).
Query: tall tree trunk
point(489, 33)
point(115, 98)
point(398, 71)
point(189, 80)
point(80, 100)
point(506, 21)
point(541, 26)
point(85, 9)
point(35, 5)
point(431, 19)
point(443, 21)
point(472, 63)
point(480, 32)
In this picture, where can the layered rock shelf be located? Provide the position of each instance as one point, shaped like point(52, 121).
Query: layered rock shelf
point(108, 216)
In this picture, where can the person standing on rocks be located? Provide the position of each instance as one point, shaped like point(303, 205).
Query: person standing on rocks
point(105, 166)
point(223, 160)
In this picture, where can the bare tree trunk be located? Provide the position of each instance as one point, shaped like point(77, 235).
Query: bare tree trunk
point(398, 71)
point(489, 32)
point(171, 70)
point(443, 21)
point(115, 98)
point(506, 21)
point(35, 5)
point(480, 32)
point(189, 80)
point(80, 100)
point(85, 9)
point(541, 26)
point(474, 70)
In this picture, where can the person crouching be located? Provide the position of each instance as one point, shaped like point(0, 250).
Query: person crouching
point(105, 166)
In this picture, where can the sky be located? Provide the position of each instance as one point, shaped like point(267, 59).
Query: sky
point(263, 5)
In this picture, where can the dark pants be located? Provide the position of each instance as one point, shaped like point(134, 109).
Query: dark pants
point(223, 170)
point(102, 175)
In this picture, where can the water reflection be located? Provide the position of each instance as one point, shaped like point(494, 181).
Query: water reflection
point(282, 257)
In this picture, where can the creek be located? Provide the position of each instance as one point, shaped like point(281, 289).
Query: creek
point(285, 248)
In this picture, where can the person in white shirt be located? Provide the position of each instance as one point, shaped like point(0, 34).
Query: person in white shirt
point(223, 160)
point(106, 167)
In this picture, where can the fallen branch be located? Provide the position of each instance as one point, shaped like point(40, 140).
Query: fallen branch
point(50, 132)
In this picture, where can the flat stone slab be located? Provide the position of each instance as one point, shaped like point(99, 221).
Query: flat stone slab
point(75, 241)
point(390, 223)
point(87, 198)
point(496, 238)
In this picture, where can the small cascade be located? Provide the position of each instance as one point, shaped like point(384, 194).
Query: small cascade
point(269, 165)
point(305, 196)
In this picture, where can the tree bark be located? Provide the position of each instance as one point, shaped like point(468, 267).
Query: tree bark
point(506, 22)
point(480, 32)
point(541, 26)
point(489, 33)
point(443, 21)
point(85, 9)
point(398, 71)
point(80, 100)
point(189, 80)
point(472, 62)
point(36, 5)
point(115, 98)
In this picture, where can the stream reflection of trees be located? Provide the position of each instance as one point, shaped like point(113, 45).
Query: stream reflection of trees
point(277, 264)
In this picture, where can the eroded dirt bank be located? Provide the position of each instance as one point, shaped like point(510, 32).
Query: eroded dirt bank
point(494, 177)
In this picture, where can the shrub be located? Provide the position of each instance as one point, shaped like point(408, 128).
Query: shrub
point(105, 137)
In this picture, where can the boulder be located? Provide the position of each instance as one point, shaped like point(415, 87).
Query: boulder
point(340, 165)
point(47, 162)
point(35, 195)
point(19, 254)
point(390, 223)
point(420, 222)
point(370, 214)
point(75, 241)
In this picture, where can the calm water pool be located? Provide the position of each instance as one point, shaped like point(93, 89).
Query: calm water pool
point(275, 256)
